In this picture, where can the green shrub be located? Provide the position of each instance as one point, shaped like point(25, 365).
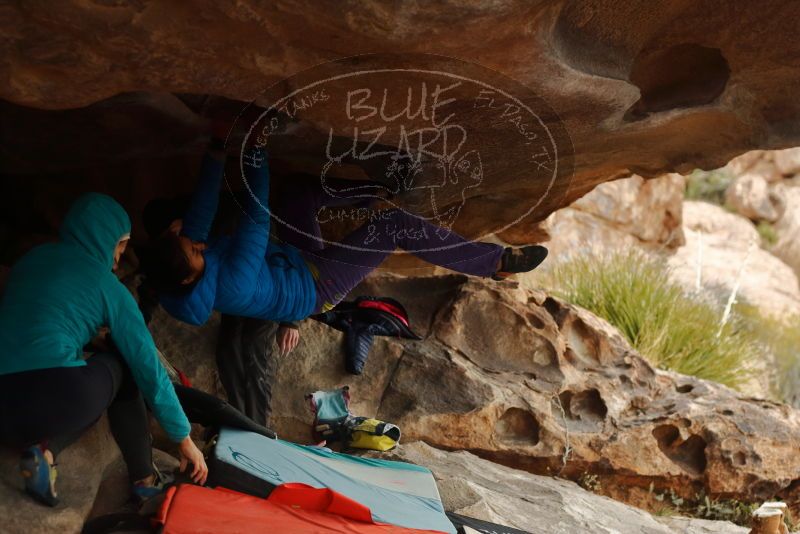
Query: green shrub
point(768, 234)
point(671, 329)
point(709, 186)
point(704, 507)
point(737, 512)
point(590, 482)
point(781, 339)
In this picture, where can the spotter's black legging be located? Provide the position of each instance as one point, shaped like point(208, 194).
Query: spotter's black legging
point(212, 412)
point(247, 364)
point(56, 406)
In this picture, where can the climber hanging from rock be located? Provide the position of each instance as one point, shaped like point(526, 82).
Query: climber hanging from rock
point(246, 362)
point(56, 297)
point(248, 275)
point(246, 356)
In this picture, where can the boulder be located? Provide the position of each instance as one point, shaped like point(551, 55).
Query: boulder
point(558, 392)
point(92, 481)
point(787, 248)
point(787, 162)
point(637, 94)
point(758, 162)
point(688, 525)
point(82, 468)
point(751, 196)
point(728, 245)
point(629, 212)
point(484, 490)
point(720, 222)
point(513, 376)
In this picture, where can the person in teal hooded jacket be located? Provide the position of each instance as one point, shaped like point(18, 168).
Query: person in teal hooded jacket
point(55, 299)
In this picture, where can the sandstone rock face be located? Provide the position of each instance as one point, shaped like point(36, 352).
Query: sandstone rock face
point(787, 162)
point(92, 481)
point(630, 212)
point(134, 147)
point(685, 525)
point(728, 246)
point(788, 228)
point(766, 189)
point(477, 488)
point(559, 392)
point(513, 376)
point(638, 94)
point(771, 165)
point(753, 197)
point(81, 472)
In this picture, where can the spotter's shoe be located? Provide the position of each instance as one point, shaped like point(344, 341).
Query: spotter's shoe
point(39, 475)
point(142, 493)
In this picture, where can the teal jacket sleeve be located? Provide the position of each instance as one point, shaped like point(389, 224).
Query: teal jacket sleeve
point(135, 343)
point(203, 206)
point(245, 257)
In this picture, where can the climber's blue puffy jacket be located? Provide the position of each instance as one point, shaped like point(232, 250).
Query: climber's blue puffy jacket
point(245, 274)
point(59, 294)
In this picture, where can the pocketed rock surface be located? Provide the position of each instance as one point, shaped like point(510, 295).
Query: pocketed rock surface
point(641, 88)
point(506, 374)
point(526, 380)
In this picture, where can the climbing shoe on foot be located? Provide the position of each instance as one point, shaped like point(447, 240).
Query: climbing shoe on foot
point(520, 260)
point(39, 475)
point(142, 492)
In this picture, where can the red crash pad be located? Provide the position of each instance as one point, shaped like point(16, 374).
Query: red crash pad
point(295, 508)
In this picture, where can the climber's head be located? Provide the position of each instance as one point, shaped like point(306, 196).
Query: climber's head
point(173, 261)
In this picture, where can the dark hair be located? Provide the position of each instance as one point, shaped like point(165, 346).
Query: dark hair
point(166, 266)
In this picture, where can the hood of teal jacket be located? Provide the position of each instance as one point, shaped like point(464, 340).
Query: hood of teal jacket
point(96, 223)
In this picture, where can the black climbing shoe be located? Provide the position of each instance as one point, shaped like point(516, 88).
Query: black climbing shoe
point(520, 260)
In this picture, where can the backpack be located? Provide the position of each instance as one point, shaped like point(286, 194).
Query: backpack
point(333, 421)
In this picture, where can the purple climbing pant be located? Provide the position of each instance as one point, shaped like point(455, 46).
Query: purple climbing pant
point(339, 267)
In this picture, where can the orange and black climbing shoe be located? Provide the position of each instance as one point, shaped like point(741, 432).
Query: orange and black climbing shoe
point(520, 260)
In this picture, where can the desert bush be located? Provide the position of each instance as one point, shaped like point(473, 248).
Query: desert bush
point(736, 512)
point(670, 328)
point(779, 338)
point(714, 509)
point(768, 234)
point(709, 186)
